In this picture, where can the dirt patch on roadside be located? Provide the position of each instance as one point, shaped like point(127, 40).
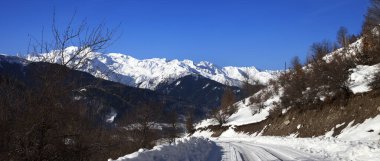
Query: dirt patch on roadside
point(216, 129)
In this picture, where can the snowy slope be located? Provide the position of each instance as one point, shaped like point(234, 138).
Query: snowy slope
point(359, 81)
point(247, 113)
point(361, 77)
point(368, 130)
point(148, 73)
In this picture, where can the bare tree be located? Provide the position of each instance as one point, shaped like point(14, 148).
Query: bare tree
point(47, 123)
point(142, 123)
point(220, 115)
point(83, 39)
point(250, 89)
point(319, 51)
point(189, 123)
point(226, 108)
point(173, 130)
point(227, 101)
point(343, 37)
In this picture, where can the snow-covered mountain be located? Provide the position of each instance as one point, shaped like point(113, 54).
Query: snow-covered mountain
point(148, 73)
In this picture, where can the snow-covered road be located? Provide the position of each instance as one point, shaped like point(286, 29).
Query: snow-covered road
point(240, 148)
point(246, 151)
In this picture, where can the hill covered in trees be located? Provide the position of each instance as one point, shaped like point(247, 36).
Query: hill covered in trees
point(333, 91)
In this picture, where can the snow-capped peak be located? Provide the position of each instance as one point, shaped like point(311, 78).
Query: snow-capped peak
point(148, 73)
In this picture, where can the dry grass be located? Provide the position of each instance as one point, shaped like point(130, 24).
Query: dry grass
point(318, 121)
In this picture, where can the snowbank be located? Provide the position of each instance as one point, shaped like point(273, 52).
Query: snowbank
point(184, 149)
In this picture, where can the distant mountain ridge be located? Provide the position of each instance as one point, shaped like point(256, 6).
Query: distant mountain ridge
point(191, 93)
point(149, 73)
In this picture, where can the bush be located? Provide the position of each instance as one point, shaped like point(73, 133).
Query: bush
point(322, 80)
point(370, 53)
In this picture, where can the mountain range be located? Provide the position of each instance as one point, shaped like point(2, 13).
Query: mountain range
point(150, 73)
point(114, 99)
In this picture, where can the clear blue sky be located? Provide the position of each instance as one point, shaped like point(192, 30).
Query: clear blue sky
point(263, 33)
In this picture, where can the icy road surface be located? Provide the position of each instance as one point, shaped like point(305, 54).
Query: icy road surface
point(246, 151)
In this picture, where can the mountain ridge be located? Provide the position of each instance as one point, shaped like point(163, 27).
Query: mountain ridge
point(148, 73)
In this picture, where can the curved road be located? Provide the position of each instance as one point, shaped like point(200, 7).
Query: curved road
point(246, 151)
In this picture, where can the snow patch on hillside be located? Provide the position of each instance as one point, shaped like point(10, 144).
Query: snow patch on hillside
point(204, 133)
point(368, 130)
point(205, 123)
point(248, 112)
point(251, 113)
point(361, 77)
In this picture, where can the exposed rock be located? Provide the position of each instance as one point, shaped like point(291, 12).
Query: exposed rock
point(287, 122)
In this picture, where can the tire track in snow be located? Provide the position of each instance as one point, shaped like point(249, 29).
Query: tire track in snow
point(246, 151)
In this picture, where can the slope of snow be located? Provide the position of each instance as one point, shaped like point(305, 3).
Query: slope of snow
point(190, 149)
point(361, 77)
point(351, 51)
point(368, 130)
point(148, 73)
point(245, 114)
point(205, 123)
point(205, 133)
